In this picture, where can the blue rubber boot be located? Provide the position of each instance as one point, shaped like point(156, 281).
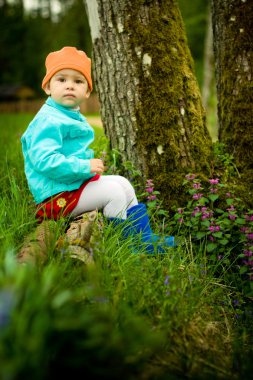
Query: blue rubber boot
point(138, 223)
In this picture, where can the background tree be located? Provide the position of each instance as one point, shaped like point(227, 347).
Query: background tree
point(195, 18)
point(233, 49)
point(150, 101)
point(27, 35)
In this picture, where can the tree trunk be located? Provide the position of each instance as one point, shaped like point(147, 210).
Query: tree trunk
point(233, 50)
point(208, 63)
point(209, 85)
point(150, 101)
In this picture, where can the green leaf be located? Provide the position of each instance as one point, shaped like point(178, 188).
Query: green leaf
point(218, 234)
point(213, 197)
point(243, 270)
point(205, 223)
point(200, 235)
point(211, 246)
point(240, 221)
point(224, 241)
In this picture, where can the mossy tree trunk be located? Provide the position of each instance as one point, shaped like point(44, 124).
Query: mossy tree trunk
point(150, 101)
point(233, 50)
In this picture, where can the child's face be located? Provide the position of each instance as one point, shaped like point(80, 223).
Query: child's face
point(68, 88)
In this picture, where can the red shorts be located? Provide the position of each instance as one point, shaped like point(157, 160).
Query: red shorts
point(61, 204)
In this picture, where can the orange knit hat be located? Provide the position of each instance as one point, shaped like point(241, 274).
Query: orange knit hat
point(68, 58)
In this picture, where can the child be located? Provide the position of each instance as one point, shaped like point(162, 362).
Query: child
point(62, 173)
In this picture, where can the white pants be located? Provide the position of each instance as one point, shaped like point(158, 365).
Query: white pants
point(113, 194)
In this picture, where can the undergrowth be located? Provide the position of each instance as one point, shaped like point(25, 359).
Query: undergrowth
point(186, 313)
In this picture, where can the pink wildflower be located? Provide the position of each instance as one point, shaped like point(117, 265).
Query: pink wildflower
point(149, 182)
point(149, 190)
point(214, 181)
point(190, 177)
point(247, 253)
point(197, 196)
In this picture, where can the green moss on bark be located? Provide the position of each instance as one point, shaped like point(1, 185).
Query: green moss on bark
point(234, 57)
point(170, 112)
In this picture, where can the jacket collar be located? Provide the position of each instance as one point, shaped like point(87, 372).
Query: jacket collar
point(75, 114)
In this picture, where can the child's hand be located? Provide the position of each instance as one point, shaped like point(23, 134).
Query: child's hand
point(96, 166)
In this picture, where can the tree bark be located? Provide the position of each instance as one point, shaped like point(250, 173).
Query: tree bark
point(208, 63)
point(150, 101)
point(233, 50)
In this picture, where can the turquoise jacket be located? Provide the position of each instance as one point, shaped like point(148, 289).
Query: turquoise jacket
point(56, 151)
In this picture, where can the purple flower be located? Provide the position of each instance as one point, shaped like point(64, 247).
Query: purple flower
point(180, 220)
point(211, 228)
point(196, 185)
point(250, 236)
point(213, 190)
point(197, 196)
point(211, 238)
point(214, 181)
point(228, 195)
point(247, 253)
point(190, 177)
point(232, 216)
point(149, 182)
point(149, 190)
point(166, 281)
point(203, 209)
point(151, 198)
point(180, 210)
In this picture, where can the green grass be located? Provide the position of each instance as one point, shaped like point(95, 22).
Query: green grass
point(133, 316)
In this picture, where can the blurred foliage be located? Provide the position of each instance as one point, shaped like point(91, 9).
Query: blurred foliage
point(26, 36)
point(195, 16)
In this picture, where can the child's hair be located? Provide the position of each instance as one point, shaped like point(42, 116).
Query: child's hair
point(68, 58)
